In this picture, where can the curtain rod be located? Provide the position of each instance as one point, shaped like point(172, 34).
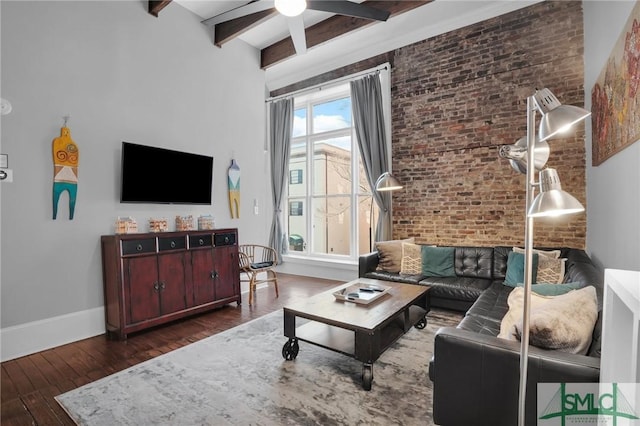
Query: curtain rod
point(321, 86)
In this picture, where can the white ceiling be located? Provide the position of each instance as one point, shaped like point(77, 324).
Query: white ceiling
point(426, 21)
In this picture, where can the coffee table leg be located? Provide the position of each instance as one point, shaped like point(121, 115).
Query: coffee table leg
point(367, 376)
point(290, 349)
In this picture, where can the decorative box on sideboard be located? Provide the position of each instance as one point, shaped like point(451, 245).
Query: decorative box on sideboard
point(151, 279)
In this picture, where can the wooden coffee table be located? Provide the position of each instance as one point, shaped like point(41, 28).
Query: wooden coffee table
point(361, 331)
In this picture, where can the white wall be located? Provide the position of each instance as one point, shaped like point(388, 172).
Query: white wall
point(121, 74)
point(613, 187)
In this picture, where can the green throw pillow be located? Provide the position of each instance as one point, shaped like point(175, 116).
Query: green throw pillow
point(515, 269)
point(553, 289)
point(438, 261)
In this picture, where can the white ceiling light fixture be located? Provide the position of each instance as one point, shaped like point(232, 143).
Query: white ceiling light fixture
point(291, 7)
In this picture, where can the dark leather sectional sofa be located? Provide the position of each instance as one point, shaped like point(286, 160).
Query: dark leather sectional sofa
point(475, 374)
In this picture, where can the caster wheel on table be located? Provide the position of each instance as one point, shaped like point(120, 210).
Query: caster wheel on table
point(290, 350)
point(367, 376)
point(422, 323)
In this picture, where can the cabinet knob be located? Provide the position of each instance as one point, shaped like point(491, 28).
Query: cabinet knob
point(139, 247)
point(173, 244)
point(201, 241)
point(214, 274)
point(162, 285)
point(156, 286)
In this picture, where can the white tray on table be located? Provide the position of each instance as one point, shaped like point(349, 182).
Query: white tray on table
point(362, 293)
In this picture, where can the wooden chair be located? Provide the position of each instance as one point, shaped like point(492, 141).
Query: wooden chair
point(256, 259)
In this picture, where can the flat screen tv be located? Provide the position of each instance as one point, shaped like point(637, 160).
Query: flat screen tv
point(158, 175)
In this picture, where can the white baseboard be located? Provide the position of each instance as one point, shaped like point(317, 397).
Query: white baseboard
point(36, 336)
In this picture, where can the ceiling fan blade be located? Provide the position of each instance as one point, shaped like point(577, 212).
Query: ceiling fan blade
point(345, 7)
point(298, 36)
point(248, 9)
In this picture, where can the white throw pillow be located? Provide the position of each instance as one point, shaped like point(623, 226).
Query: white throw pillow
point(565, 323)
point(514, 314)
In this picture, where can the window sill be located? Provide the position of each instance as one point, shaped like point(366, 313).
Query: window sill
point(333, 269)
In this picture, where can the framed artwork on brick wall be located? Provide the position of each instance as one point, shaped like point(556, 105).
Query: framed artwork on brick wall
point(615, 98)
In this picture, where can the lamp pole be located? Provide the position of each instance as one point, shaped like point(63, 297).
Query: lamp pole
point(528, 260)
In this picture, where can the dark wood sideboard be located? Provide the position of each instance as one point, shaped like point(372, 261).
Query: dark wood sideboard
point(150, 279)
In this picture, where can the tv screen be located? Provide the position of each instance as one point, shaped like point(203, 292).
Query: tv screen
point(158, 175)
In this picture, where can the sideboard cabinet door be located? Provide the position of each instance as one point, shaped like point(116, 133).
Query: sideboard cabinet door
point(141, 288)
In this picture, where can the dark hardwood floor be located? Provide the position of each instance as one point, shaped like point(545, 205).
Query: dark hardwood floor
point(29, 384)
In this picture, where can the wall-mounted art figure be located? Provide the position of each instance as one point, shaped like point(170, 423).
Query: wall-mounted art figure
point(234, 189)
point(65, 170)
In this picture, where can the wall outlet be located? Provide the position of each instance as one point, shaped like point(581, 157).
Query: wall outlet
point(6, 175)
point(255, 206)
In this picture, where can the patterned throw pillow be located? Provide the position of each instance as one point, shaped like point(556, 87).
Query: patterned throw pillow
point(390, 254)
point(411, 259)
point(555, 254)
point(550, 271)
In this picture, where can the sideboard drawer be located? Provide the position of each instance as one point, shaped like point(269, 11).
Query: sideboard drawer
point(204, 240)
point(172, 243)
point(147, 245)
point(224, 239)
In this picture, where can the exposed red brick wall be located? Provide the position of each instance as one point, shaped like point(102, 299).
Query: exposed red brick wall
point(455, 99)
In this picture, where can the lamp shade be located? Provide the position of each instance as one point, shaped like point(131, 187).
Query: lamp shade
point(387, 182)
point(560, 119)
point(517, 154)
point(552, 200)
point(556, 118)
point(290, 7)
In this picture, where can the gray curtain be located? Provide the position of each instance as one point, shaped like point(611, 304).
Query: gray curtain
point(281, 122)
point(366, 96)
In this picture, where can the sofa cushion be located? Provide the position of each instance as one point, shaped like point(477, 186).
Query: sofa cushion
point(397, 278)
point(458, 288)
point(474, 262)
point(390, 253)
point(481, 325)
point(438, 261)
point(492, 303)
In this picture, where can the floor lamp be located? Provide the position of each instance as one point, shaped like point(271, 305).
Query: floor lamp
point(386, 182)
point(550, 201)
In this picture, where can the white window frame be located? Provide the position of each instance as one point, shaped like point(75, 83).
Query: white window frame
point(325, 96)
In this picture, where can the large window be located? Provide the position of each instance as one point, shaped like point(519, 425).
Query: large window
point(328, 195)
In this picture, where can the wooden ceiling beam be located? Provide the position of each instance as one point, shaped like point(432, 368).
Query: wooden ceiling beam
point(333, 27)
point(227, 31)
point(155, 6)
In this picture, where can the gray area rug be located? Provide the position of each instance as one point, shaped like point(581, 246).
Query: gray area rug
point(238, 377)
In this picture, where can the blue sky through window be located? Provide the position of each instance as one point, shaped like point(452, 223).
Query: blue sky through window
point(327, 116)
